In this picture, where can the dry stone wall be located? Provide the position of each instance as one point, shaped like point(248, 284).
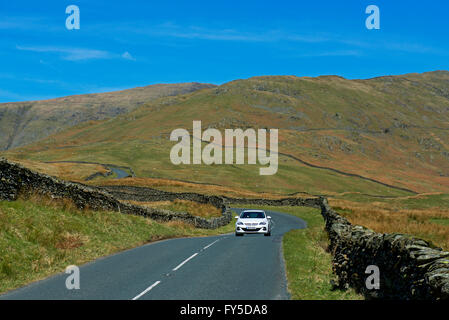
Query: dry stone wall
point(410, 268)
point(150, 194)
point(306, 202)
point(16, 179)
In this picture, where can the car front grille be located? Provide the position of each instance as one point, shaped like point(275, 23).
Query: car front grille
point(251, 224)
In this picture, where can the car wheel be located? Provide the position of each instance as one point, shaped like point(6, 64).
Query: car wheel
point(268, 234)
point(239, 234)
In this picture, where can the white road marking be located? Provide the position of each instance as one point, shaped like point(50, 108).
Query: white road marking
point(185, 261)
point(176, 268)
point(210, 244)
point(146, 290)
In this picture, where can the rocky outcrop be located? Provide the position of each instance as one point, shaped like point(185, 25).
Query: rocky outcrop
point(410, 268)
point(16, 180)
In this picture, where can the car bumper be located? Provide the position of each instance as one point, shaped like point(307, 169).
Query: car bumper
point(243, 229)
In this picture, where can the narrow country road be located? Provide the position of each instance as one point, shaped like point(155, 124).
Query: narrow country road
point(119, 172)
point(216, 267)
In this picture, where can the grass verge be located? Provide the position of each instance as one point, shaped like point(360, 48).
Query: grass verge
point(204, 210)
point(424, 216)
point(40, 237)
point(308, 264)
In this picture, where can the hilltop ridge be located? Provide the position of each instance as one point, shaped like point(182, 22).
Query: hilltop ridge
point(24, 122)
point(380, 136)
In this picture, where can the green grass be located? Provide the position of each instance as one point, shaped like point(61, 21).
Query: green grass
point(41, 239)
point(423, 201)
point(152, 159)
point(425, 216)
point(441, 221)
point(308, 264)
point(198, 209)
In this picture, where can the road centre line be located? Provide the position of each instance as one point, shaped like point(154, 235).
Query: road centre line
point(176, 268)
point(210, 244)
point(185, 261)
point(146, 290)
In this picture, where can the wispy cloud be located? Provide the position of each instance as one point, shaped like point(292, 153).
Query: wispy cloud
point(126, 55)
point(172, 30)
point(334, 53)
point(354, 45)
point(412, 47)
point(72, 54)
point(77, 54)
point(394, 45)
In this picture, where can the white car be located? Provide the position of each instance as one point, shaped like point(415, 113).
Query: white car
point(253, 221)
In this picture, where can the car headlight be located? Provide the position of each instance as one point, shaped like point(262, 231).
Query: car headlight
point(240, 223)
point(263, 223)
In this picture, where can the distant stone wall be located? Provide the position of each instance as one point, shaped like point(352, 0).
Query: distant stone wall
point(150, 194)
point(305, 202)
point(145, 194)
point(16, 179)
point(410, 268)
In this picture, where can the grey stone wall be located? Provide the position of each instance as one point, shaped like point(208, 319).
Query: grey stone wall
point(306, 202)
point(16, 179)
point(410, 268)
point(150, 194)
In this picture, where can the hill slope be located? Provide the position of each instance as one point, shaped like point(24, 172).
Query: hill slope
point(381, 136)
point(25, 122)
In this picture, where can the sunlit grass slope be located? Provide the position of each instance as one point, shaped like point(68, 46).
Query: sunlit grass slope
point(40, 237)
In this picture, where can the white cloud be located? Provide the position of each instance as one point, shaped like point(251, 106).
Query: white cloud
point(169, 29)
point(77, 54)
point(354, 44)
point(126, 55)
point(334, 53)
point(71, 54)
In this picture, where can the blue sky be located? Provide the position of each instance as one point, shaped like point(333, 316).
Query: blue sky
point(124, 44)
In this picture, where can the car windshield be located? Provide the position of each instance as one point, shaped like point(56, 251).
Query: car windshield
point(253, 215)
